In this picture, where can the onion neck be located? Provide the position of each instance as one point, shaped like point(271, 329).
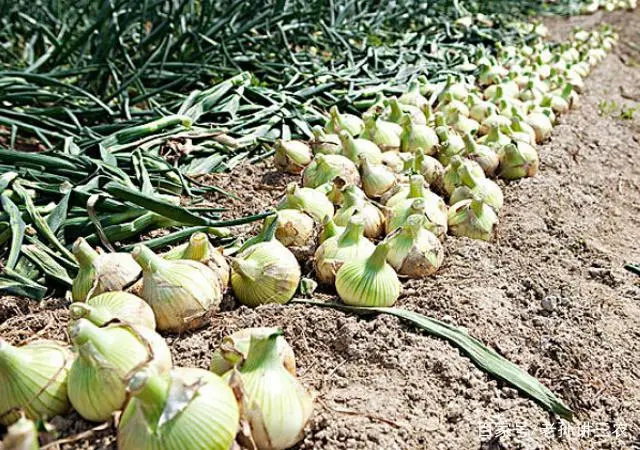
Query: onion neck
point(416, 186)
point(352, 233)
point(84, 253)
point(148, 261)
point(330, 229)
point(378, 258)
point(263, 352)
point(84, 331)
point(198, 248)
point(84, 311)
point(470, 144)
point(153, 397)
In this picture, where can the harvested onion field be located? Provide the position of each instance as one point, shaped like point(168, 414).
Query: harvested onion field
point(543, 286)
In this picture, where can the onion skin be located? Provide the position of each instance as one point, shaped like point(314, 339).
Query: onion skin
point(415, 252)
point(184, 409)
point(473, 219)
point(266, 272)
point(33, 378)
point(291, 156)
point(114, 306)
point(22, 435)
point(369, 281)
point(325, 168)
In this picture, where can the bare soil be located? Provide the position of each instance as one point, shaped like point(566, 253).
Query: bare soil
point(551, 295)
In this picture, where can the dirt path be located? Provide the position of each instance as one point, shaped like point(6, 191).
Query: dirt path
point(551, 296)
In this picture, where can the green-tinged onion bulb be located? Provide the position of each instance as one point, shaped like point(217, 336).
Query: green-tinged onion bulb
point(473, 218)
point(291, 156)
point(431, 206)
point(376, 178)
point(198, 248)
point(234, 349)
point(518, 161)
point(481, 110)
point(308, 200)
point(324, 168)
point(109, 306)
point(496, 137)
point(412, 96)
point(484, 155)
point(369, 280)
point(415, 188)
point(493, 121)
point(185, 408)
point(353, 148)
point(33, 378)
point(263, 273)
point(430, 168)
point(96, 382)
point(482, 188)
point(329, 230)
point(22, 435)
point(181, 292)
point(522, 131)
point(396, 111)
point(325, 143)
point(451, 177)
point(415, 252)
point(415, 136)
point(274, 402)
point(541, 125)
point(451, 144)
point(336, 250)
point(354, 201)
point(452, 107)
point(463, 124)
point(100, 273)
point(386, 135)
point(339, 122)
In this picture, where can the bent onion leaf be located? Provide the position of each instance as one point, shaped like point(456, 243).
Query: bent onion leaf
point(485, 358)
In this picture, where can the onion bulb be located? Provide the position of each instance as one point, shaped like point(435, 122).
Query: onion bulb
point(296, 231)
point(291, 156)
point(325, 143)
point(275, 404)
point(386, 135)
point(324, 168)
point(396, 111)
point(451, 177)
point(430, 168)
point(451, 144)
point(472, 186)
point(376, 178)
point(353, 148)
point(105, 356)
point(198, 248)
point(517, 161)
point(111, 306)
point(472, 218)
point(182, 293)
point(100, 273)
point(356, 202)
point(234, 350)
point(413, 97)
point(335, 251)
point(308, 200)
point(431, 207)
point(33, 378)
point(415, 136)
point(415, 252)
point(265, 272)
point(180, 409)
point(339, 122)
point(541, 125)
point(369, 280)
point(485, 156)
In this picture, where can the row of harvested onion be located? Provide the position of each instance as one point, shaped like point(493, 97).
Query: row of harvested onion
point(377, 178)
